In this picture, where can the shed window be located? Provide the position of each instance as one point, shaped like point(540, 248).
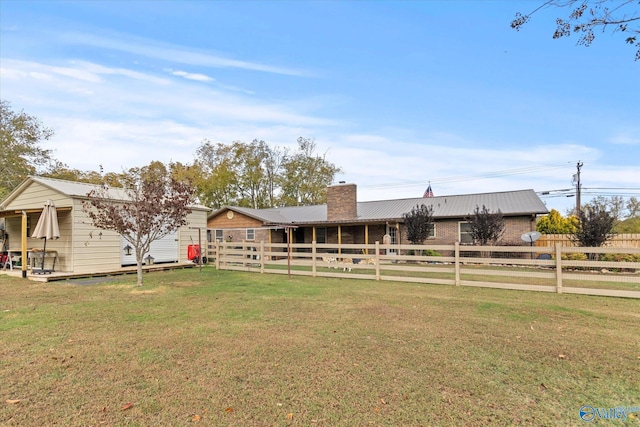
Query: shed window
point(321, 235)
point(219, 235)
point(251, 234)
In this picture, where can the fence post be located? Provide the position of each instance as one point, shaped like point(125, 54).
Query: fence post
point(217, 249)
point(377, 260)
point(262, 256)
point(558, 268)
point(313, 259)
point(456, 252)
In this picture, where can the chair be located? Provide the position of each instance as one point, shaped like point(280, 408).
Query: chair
point(5, 261)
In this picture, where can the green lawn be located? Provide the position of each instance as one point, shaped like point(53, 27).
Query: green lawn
point(241, 349)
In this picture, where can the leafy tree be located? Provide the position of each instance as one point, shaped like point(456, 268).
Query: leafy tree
point(20, 151)
point(586, 16)
point(253, 185)
point(215, 176)
point(62, 171)
point(419, 223)
point(595, 226)
point(486, 226)
point(305, 176)
point(153, 205)
point(555, 223)
point(628, 226)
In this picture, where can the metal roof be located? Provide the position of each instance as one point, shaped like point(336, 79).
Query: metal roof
point(77, 189)
point(73, 189)
point(510, 203)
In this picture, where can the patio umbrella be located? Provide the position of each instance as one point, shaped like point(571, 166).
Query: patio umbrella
point(47, 226)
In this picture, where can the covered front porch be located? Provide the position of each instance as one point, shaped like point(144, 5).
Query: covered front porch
point(22, 253)
point(342, 234)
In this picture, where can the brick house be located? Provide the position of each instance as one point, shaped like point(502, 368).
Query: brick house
point(344, 220)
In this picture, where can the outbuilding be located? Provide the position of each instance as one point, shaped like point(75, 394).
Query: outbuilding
point(81, 247)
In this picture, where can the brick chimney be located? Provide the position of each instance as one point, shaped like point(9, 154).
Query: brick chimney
point(342, 203)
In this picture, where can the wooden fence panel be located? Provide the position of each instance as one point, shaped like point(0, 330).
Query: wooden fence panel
point(610, 271)
point(618, 241)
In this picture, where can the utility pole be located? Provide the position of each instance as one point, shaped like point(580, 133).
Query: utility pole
point(576, 182)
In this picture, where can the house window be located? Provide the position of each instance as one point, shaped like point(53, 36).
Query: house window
point(321, 235)
point(432, 233)
point(465, 233)
point(251, 234)
point(219, 235)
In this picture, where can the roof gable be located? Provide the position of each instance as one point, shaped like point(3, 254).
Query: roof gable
point(73, 189)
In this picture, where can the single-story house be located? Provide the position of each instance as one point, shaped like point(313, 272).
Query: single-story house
point(344, 220)
point(81, 247)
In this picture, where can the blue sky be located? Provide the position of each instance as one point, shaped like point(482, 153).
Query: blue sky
point(398, 94)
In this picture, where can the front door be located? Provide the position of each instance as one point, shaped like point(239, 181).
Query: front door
point(393, 232)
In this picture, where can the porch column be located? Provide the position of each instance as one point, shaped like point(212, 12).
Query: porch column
point(339, 239)
point(366, 237)
point(24, 245)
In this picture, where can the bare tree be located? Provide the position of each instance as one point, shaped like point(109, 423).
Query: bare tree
point(152, 206)
point(633, 208)
point(586, 16)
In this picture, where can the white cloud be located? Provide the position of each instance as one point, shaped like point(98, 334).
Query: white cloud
point(190, 76)
point(172, 53)
point(626, 138)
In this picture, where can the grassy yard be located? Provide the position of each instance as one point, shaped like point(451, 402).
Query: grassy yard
point(240, 349)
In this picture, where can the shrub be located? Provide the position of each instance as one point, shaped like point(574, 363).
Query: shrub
point(575, 257)
point(430, 252)
point(621, 257)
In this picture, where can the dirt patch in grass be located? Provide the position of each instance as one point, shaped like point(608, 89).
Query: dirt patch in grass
point(238, 349)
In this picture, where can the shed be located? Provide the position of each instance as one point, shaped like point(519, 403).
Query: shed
point(83, 248)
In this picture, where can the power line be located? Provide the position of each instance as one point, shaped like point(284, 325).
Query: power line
point(611, 191)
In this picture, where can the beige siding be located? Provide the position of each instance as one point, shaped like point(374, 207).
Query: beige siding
point(82, 248)
point(94, 250)
point(188, 235)
point(34, 196)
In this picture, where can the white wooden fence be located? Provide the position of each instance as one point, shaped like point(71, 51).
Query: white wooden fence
point(590, 271)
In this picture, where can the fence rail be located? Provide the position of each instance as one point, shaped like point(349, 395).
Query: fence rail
point(608, 271)
point(618, 241)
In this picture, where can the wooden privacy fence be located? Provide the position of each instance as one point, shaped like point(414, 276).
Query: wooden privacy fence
point(591, 271)
point(617, 241)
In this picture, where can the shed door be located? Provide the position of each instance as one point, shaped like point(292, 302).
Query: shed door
point(162, 250)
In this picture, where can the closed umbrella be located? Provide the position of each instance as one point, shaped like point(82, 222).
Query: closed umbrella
point(47, 226)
